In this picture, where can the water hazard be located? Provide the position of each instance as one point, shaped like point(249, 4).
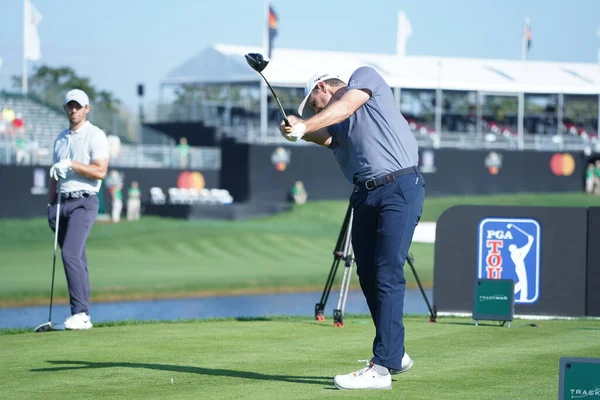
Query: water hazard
point(251, 306)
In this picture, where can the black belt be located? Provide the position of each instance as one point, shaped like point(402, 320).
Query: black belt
point(77, 194)
point(373, 183)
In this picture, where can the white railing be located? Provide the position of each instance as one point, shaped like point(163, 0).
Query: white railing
point(136, 156)
point(209, 158)
point(466, 141)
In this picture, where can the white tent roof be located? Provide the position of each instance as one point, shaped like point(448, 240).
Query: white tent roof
point(292, 68)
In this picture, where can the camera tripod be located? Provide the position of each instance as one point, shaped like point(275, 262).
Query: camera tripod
point(344, 252)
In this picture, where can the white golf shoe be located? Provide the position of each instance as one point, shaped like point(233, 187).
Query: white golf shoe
point(407, 364)
point(366, 378)
point(79, 321)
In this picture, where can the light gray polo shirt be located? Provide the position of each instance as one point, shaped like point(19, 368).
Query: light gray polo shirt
point(84, 145)
point(376, 139)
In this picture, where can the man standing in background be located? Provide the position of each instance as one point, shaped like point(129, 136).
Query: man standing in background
point(114, 183)
point(133, 202)
point(116, 193)
point(80, 160)
point(183, 148)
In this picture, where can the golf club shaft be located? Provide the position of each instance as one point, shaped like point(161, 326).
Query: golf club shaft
point(55, 247)
point(287, 123)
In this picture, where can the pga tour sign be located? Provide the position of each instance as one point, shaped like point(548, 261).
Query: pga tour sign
point(509, 248)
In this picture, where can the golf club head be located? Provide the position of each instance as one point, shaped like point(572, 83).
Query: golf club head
point(256, 61)
point(45, 327)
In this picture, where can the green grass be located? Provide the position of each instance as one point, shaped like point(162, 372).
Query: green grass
point(164, 257)
point(288, 358)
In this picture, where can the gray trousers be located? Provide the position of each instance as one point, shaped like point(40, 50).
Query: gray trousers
point(76, 219)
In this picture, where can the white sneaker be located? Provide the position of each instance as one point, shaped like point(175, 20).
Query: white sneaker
point(407, 364)
point(366, 378)
point(78, 322)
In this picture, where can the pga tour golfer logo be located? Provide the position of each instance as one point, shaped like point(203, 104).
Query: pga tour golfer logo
point(509, 248)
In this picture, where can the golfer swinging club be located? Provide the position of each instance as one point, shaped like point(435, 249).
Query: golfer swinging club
point(518, 255)
point(376, 150)
point(80, 162)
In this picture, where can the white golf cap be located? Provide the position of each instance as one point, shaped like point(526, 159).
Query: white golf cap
point(77, 95)
point(307, 112)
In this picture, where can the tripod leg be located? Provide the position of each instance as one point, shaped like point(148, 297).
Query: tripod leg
point(338, 313)
point(432, 311)
point(337, 256)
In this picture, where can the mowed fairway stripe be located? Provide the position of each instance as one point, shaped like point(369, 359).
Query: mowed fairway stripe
point(207, 247)
point(280, 248)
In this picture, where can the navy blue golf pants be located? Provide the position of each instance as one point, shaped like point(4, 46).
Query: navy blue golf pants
point(77, 216)
point(382, 229)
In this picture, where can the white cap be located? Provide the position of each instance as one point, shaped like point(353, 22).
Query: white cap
point(308, 88)
point(77, 95)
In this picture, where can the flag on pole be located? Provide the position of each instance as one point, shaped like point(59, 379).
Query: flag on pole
point(526, 39)
point(31, 36)
point(272, 24)
point(404, 32)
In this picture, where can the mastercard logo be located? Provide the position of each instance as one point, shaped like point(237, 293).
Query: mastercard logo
point(191, 180)
point(562, 164)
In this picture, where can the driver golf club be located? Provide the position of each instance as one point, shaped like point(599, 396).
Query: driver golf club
point(258, 63)
point(47, 326)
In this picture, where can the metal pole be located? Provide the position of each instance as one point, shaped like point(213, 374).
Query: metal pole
point(24, 71)
point(438, 111)
point(560, 113)
point(438, 101)
point(479, 115)
point(524, 39)
point(520, 117)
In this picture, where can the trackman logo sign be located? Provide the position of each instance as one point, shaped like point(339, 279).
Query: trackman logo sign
point(509, 248)
point(494, 297)
point(583, 393)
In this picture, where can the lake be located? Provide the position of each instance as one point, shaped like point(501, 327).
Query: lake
point(246, 306)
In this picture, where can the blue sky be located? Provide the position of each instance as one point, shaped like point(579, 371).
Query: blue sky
point(119, 44)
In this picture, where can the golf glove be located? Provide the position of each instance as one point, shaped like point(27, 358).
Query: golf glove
point(297, 132)
point(60, 169)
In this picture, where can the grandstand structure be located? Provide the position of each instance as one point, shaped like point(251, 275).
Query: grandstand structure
point(44, 122)
point(449, 102)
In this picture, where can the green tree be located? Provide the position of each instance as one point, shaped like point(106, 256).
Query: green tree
point(50, 84)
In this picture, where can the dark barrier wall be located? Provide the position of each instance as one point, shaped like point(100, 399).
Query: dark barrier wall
point(562, 256)
point(480, 172)
point(235, 170)
point(24, 189)
point(593, 272)
point(266, 172)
